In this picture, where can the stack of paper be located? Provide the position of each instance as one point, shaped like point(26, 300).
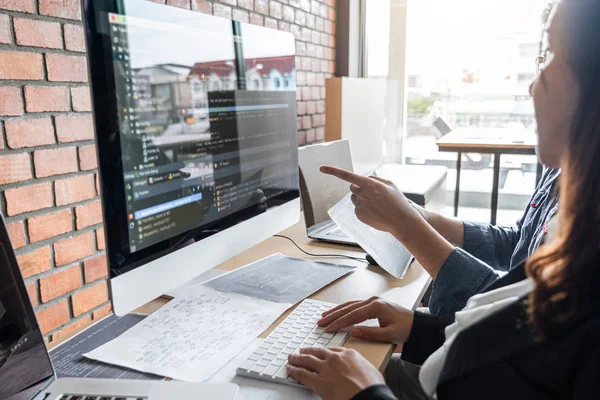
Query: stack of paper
point(191, 337)
point(389, 253)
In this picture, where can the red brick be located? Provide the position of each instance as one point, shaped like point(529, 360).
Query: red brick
point(62, 282)
point(306, 122)
point(31, 32)
point(261, 6)
point(72, 330)
point(29, 132)
point(74, 190)
point(32, 292)
point(240, 15)
point(296, 31)
point(16, 232)
point(14, 168)
point(34, 262)
point(74, 38)
point(10, 101)
point(18, 5)
point(275, 10)
point(301, 138)
point(203, 6)
point(80, 96)
point(21, 65)
point(283, 26)
point(102, 312)
point(89, 298)
point(87, 158)
point(69, 9)
point(53, 317)
point(300, 18)
point(271, 23)
point(50, 225)
point(310, 136)
point(179, 3)
point(222, 11)
point(95, 268)
point(310, 21)
point(63, 68)
point(46, 98)
point(320, 133)
point(100, 243)
point(55, 161)
point(5, 36)
point(74, 128)
point(97, 184)
point(229, 2)
point(1, 136)
point(305, 5)
point(301, 108)
point(74, 248)
point(28, 198)
point(288, 14)
point(88, 214)
point(247, 4)
point(311, 107)
point(257, 19)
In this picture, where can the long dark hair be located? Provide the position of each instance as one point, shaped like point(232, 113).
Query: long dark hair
point(566, 271)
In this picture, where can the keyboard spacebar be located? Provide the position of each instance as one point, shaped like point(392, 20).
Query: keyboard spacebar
point(339, 338)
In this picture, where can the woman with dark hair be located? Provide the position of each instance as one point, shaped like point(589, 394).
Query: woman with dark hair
point(534, 333)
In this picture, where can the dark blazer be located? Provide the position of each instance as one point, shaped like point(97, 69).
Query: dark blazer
point(498, 357)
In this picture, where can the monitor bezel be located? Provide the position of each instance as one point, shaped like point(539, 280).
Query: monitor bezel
point(110, 179)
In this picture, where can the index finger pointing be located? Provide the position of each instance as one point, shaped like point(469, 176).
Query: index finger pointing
point(344, 175)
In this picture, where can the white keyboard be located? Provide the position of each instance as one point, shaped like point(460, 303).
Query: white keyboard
point(299, 330)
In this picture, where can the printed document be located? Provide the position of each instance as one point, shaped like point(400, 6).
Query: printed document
point(390, 254)
point(280, 279)
point(191, 337)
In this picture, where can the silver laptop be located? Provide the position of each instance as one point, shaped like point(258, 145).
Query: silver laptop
point(26, 371)
point(319, 192)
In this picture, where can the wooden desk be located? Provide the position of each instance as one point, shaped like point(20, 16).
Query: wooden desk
point(365, 282)
point(489, 141)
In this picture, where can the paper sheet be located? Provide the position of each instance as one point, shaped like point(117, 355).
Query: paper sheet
point(389, 253)
point(280, 279)
point(254, 389)
point(191, 337)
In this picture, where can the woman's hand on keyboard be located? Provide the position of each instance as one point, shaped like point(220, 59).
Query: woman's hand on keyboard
point(395, 322)
point(335, 373)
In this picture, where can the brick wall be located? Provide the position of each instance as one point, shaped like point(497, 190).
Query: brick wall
point(48, 179)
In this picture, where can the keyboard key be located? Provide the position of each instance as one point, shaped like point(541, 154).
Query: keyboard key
point(263, 362)
point(327, 335)
point(269, 356)
point(323, 341)
point(254, 357)
point(282, 373)
point(278, 362)
point(270, 340)
point(257, 368)
point(271, 370)
point(310, 341)
point(246, 365)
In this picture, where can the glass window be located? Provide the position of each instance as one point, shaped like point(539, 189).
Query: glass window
point(377, 37)
point(470, 63)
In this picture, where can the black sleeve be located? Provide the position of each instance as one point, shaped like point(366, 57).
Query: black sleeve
point(426, 336)
point(377, 392)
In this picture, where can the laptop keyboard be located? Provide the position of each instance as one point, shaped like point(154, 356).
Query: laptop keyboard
point(98, 397)
point(298, 330)
point(337, 232)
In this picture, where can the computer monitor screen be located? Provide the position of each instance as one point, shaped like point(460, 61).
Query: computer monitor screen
point(195, 121)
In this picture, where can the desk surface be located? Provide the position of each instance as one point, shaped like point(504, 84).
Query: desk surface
point(486, 139)
point(365, 282)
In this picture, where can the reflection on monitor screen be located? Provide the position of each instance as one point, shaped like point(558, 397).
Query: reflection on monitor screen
point(206, 120)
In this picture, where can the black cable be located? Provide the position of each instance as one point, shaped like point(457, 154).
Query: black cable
point(321, 255)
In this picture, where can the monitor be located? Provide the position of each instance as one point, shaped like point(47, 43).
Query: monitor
point(195, 120)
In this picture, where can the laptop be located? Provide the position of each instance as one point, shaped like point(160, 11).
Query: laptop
point(320, 192)
point(26, 371)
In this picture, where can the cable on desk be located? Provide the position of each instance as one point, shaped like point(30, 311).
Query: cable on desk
point(321, 255)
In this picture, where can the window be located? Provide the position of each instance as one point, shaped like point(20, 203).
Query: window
point(277, 83)
point(470, 62)
point(256, 84)
point(377, 20)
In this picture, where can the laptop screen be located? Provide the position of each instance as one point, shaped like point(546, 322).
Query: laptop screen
point(24, 361)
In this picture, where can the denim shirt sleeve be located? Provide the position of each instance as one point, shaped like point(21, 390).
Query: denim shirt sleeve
point(461, 276)
point(494, 245)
